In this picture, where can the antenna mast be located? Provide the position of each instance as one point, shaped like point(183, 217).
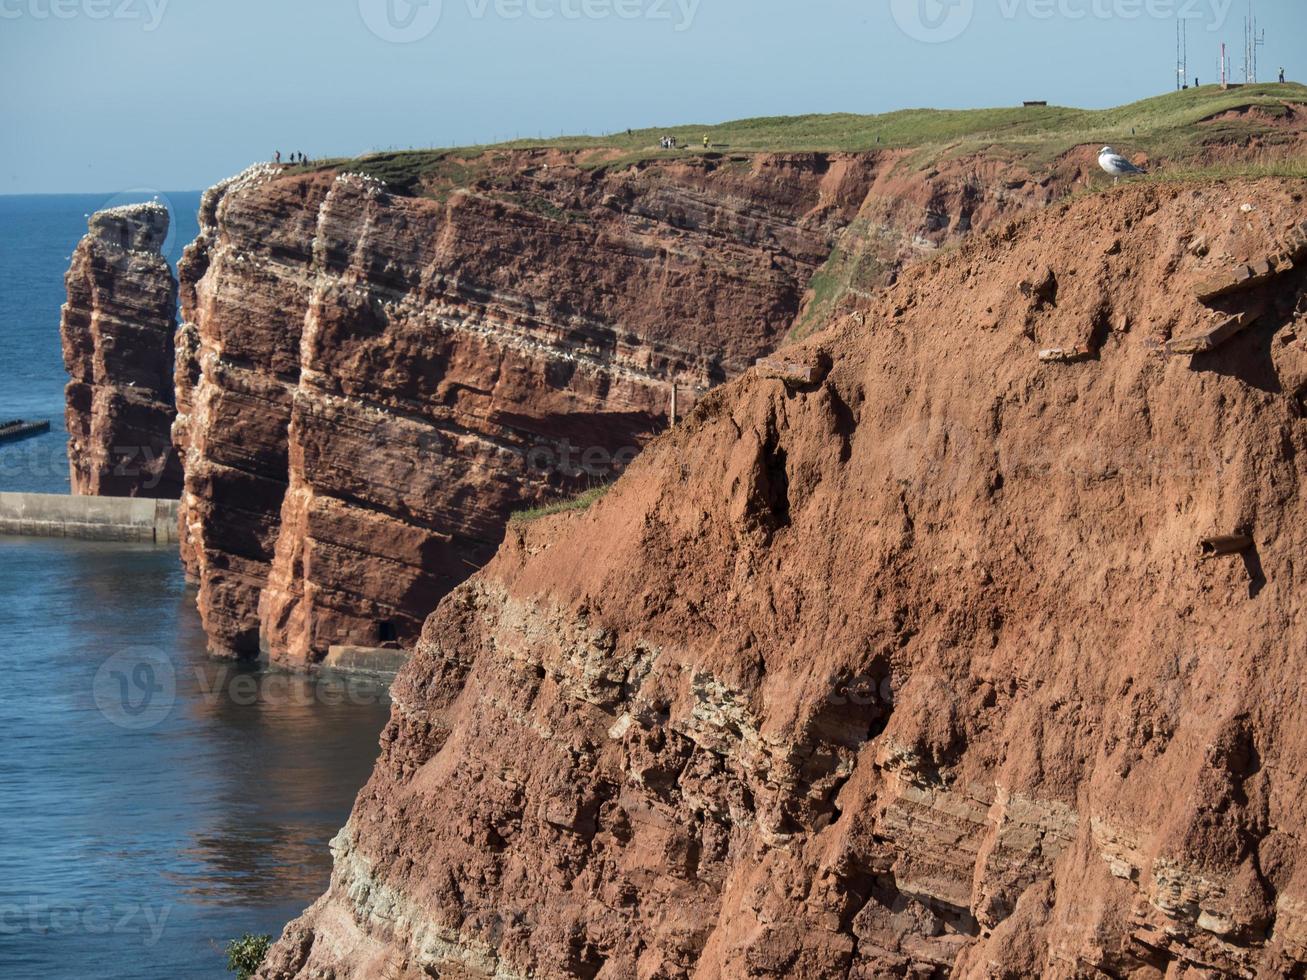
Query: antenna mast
point(1253, 38)
point(1181, 54)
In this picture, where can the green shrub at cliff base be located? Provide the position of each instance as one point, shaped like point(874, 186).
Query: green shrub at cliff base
point(245, 954)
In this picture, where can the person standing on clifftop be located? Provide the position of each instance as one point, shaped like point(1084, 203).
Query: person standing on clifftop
point(276, 157)
point(1281, 76)
point(706, 144)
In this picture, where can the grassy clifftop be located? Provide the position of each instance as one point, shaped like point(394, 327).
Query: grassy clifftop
point(1176, 126)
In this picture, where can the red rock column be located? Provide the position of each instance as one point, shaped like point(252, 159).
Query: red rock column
point(117, 332)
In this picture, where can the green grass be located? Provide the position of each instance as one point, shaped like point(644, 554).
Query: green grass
point(1257, 167)
point(859, 270)
point(827, 285)
point(1294, 168)
point(580, 501)
point(1175, 126)
point(433, 172)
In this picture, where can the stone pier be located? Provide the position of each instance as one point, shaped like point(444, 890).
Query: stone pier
point(91, 518)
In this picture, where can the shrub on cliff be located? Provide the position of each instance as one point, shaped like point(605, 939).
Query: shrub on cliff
point(245, 954)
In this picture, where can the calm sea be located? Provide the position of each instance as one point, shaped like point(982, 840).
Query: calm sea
point(153, 803)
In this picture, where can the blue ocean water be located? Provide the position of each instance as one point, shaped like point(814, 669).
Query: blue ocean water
point(154, 804)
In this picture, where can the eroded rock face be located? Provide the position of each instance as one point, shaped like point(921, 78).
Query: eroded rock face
point(369, 383)
point(117, 333)
point(910, 670)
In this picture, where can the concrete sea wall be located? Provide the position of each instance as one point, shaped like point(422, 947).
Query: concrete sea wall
point(91, 518)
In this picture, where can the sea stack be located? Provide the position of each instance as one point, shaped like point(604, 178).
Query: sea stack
point(117, 332)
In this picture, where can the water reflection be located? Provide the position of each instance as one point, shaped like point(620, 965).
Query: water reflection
point(301, 727)
point(214, 818)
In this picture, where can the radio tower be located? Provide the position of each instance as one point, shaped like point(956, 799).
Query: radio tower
point(1181, 54)
point(1252, 40)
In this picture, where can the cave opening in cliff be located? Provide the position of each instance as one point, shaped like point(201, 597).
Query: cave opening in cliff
point(386, 631)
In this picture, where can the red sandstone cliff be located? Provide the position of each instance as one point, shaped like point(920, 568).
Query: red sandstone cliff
point(117, 332)
point(910, 670)
point(369, 384)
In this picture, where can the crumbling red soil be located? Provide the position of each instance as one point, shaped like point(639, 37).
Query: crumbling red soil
point(911, 669)
point(1286, 117)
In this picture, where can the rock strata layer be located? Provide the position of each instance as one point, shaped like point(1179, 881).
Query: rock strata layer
point(369, 384)
point(904, 659)
point(117, 334)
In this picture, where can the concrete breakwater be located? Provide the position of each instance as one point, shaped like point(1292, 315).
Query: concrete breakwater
point(15, 429)
point(379, 661)
point(91, 518)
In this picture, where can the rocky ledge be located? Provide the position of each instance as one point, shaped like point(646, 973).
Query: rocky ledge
point(117, 333)
point(921, 653)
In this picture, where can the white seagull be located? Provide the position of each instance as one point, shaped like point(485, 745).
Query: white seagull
point(1115, 164)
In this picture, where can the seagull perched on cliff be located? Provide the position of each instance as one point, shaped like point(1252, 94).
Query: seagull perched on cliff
point(1115, 164)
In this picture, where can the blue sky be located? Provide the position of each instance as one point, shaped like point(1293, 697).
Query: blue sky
point(107, 95)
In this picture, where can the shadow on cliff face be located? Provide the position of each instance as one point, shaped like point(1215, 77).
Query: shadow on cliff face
point(579, 444)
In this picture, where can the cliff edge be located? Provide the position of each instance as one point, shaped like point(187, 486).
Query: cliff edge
point(967, 639)
point(381, 359)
